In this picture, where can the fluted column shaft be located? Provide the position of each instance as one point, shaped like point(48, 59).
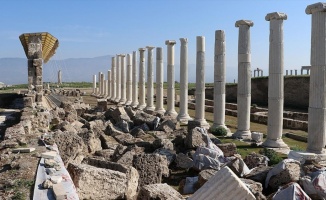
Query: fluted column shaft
point(118, 82)
point(134, 80)
point(129, 80)
point(102, 84)
point(275, 81)
point(200, 82)
point(150, 87)
point(109, 84)
point(94, 84)
point(244, 79)
point(183, 113)
point(219, 80)
point(171, 79)
point(99, 84)
point(123, 79)
point(105, 87)
point(159, 80)
point(317, 90)
point(142, 103)
point(114, 79)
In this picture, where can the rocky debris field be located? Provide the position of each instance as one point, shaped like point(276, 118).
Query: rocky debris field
point(124, 153)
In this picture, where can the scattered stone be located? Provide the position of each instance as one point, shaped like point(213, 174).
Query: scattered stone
point(158, 191)
point(50, 163)
point(47, 184)
point(257, 136)
point(183, 161)
point(194, 139)
point(59, 192)
point(49, 154)
point(136, 132)
point(108, 142)
point(205, 175)
point(105, 153)
point(229, 149)
point(254, 160)
point(120, 114)
point(258, 174)
point(56, 179)
point(253, 186)
point(124, 126)
point(142, 117)
point(23, 150)
point(169, 154)
point(167, 126)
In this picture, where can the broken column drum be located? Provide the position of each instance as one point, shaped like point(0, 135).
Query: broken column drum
point(94, 84)
point(219, 81)
point(142, 103)
point(170, 78)
point(118, 82)
point(129, 82)
point(244, 79)
point(317, 90)
point(123, 79)
point(134, 80)
point(113, 79)
point(159, 81)
point(109, 84)
point(150, 82)
point(275, 81)
point(200, 83)
point(183, 115)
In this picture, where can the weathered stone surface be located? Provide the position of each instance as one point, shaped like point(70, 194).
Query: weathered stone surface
point(238, 166)
point(193, 124)
point(254, 160)
point(68, 127)
point(136, 132)
point(97, 124)
point(28, 102)
point(47, 184)
point(163, 143)
point(229, 149)
point(167, 126)
point(194, 139)
point(123, 125)
point(150, 167)
point(106, 181)
point(169, 154)
point(127, 157)
point(69, 145)
point(205, 175)
point(183, 161)
point(112, 130)
point(259, 174)
point(108, 142)
point(91, 140)
point(105, 153)
point(14, 131)
point(102, 104)
point(158, 191)
point(253, 186)
point(119, 114)
point(142, 117)
point(127, 139)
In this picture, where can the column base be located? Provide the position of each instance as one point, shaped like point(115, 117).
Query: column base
point(128, 103)
point(274, 143)
point(203, 123)
point(141, 107)
point(214, 126)
point(322, 151)
point(122, 101)
point(302, 156)
point(171, 113)
point(149, 108)
point(134, 104)
point(246, 134)
point(184, 118)
point(117, 100)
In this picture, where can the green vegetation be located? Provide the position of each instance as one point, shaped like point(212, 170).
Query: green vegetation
point(219, 131)
point(74, 85)
point(273, 156)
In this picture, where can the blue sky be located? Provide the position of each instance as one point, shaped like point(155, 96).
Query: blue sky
point(88, 28)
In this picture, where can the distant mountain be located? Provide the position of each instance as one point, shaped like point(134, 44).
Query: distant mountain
point(14, 70)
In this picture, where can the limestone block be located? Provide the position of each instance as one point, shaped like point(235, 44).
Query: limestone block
point(193, 124)
point(120, 114)
point(254, 160)
point(194, 139)
point(28, 101)
point(102, 104)
point(158, 191)
point(142, 117)
point(205, 175)
point(123, 125)
point(38, 97)
point(151, 168)
point(253, 186)
point(91, 140)
point(59, 192)
point(229, 149)
point(38, 80)
point(23, 150)
point(183, 161)
point(35, 49)
point(257, 136)
point(108, 142)
point(169, 154)
point(38, 71)
point(167, 126)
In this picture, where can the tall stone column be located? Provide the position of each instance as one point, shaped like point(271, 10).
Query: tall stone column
point(102, 85)
point(59, 77)
point(99, 84)
point(159, 81)
point(129, 80)
point(113, 79)
point(94, 84)
point(244, 79)
point(219, 81)
point(183, 115)
point(134, 80)
point(171, 79)
point(109, 84)
point(123, 79)
point(275, 81)
point(35, 66)
point(317, 90)
point(105, 87)
point(142, 103)
point(118, 82)
point(150, 82)
point(200, 82)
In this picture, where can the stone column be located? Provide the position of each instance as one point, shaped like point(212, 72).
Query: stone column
point(291, 72)
point(244, 79)
point(170, 78)
point(142, 103)
point(150, 82)
point(317, 90)
point(113, 79)
point(99, 84)
point(275, 81)
point(109, 85)
point(255, 73)
point(200, 83)
point(105, 87)
point(286, 72)
point(123, 79)
point(296, 72)
point(219, 81)
point(94, 84)
point(183, 115)
point(134, 80)
point(118, 80)
point(129, 80)
point(159, 81)
point(59, 77)
point(102, 84)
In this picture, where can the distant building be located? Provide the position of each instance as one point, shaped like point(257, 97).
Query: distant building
point(2, 85)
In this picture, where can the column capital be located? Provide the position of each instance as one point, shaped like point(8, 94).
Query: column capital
point(122, 55)
point(184, 40)
point(317, 7)
point(276, 16)
point(244, 22)
point(150, 47)
point(142, 49)
point(170, 42)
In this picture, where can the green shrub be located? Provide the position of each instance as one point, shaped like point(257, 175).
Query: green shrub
point(272, 155)
point(219, 131)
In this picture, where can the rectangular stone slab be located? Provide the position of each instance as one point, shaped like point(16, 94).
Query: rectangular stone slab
point(23, 150)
